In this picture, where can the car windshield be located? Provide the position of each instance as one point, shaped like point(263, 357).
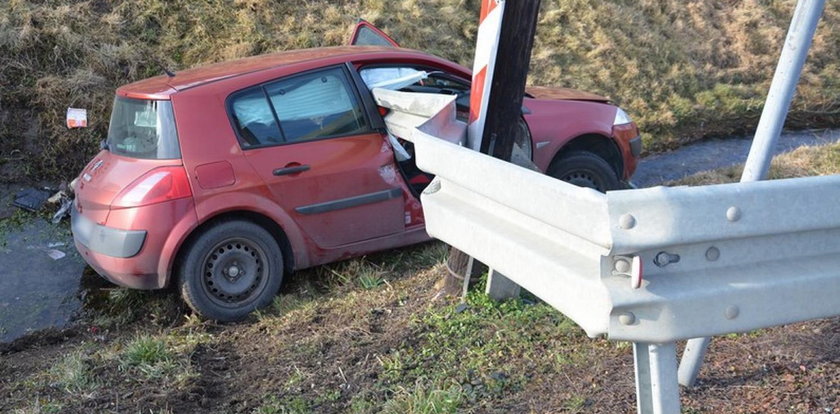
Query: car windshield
point(142, 128)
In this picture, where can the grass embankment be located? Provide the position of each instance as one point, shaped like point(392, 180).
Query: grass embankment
point(372, 335)
point(683, 71)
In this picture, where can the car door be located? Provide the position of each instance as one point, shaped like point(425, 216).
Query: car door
point(310, 140)
point(366, 34)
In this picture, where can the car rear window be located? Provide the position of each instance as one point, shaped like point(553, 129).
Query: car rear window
point(143, 128)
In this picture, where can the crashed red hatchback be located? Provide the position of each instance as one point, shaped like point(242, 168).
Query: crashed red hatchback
point(222, 179)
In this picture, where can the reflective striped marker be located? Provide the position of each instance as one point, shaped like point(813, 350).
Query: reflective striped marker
point(486, 48)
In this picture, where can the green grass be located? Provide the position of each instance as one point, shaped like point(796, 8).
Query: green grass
point(160, 358)
point(474, 349)
point(275, 405)
point(74, 373)
point(41, 406)
point(683, 72)
point(422, 400)
point(148, 355)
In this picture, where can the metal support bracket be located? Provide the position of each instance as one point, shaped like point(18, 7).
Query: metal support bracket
point(692, 360)
point(499, 287)
point(806, 16)
point(657, 391)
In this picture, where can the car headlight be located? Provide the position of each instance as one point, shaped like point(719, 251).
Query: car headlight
point(621, 118)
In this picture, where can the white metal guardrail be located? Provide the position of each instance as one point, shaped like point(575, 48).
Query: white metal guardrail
point(715, 259)
point(650, 266)
point(733, 257)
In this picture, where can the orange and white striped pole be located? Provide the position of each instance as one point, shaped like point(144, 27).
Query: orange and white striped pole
point(486, 50)
point(505, 29)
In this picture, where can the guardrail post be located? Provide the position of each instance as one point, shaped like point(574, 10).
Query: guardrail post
point(657, 391)
point(499, 287)
point(692, 360)
point(795, 51)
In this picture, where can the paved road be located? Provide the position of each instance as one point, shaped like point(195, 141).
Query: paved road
point(717, 153)
point(40, 274)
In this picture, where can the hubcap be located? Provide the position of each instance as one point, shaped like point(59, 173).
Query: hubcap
point(235, 271)
point(582, 179)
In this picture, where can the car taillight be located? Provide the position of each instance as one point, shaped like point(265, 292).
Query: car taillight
point(383, 110)
point(156, 186)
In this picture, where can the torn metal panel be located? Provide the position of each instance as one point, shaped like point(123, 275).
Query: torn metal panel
point(409, 110)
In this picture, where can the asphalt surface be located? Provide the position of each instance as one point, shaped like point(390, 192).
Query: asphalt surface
point(40, 279)
point(718, 153)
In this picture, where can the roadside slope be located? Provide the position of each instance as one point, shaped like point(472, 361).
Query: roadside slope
point(684, 71)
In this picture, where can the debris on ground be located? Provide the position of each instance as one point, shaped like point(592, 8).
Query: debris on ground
point(55, 254)
point(64, 203)
point(32, 199)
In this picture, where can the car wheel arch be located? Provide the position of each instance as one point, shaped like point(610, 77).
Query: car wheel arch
point(597, 144)
point(259, 219)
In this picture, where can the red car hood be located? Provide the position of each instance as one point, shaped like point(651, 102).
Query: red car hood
point(560, 94)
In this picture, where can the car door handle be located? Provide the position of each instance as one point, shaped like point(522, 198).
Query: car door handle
point(291, 169)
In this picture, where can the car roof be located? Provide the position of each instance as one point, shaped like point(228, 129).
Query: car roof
point(160, 87)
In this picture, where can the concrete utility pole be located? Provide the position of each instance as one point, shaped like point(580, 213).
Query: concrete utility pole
point(503, 56)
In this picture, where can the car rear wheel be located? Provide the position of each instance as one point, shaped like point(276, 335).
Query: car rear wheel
point(230, 270)
point(585, 169)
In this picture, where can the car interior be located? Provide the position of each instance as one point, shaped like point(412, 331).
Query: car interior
point(430, 81)
point(312, 106)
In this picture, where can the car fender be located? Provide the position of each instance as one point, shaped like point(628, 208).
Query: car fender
point(254, 203)
point(553, 124)
point(179, 233)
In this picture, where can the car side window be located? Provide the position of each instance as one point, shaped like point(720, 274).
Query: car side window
point(254, 120)
point(389, 76)
point(422, 80)
point(316, 105)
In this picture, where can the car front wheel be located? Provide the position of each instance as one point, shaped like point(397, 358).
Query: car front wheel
point(585, 169)
point(230, 270)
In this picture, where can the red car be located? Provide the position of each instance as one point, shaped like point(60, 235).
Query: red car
point(222, 179)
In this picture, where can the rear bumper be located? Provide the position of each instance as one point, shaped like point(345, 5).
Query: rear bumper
point(106, 240)
point(137, 259)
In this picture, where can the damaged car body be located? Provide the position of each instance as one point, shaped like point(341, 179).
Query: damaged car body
point(221, 179)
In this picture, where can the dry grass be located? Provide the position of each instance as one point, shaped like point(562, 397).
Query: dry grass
point(801, 162)
point(684, 70)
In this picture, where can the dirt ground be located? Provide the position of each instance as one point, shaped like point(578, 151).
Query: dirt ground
point(334, 350)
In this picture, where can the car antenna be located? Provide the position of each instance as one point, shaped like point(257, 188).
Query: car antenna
point(168, 72)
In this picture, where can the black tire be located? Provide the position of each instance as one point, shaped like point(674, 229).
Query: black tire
point(585, 169)
point(230, 270)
